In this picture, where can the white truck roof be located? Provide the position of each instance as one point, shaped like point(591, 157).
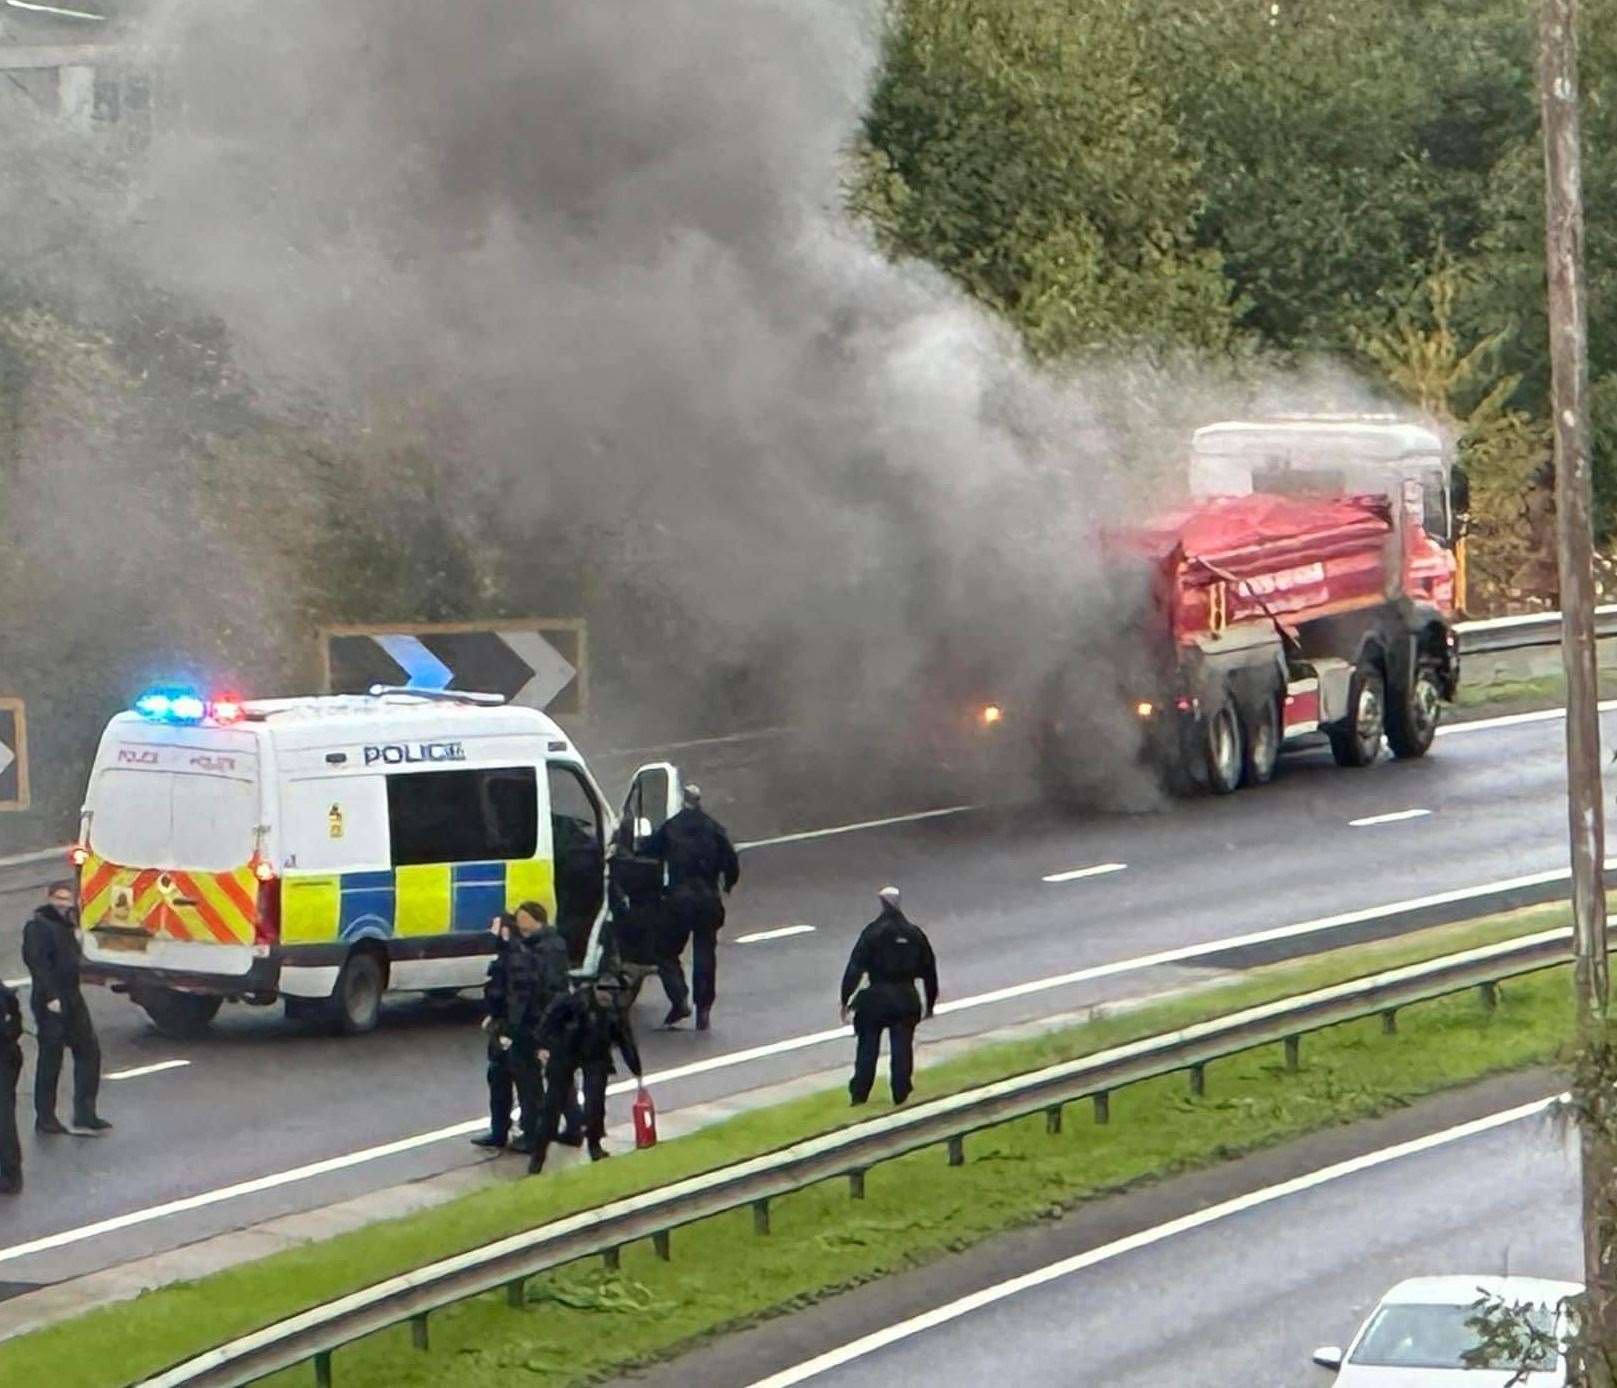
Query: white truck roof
point(1364, 436)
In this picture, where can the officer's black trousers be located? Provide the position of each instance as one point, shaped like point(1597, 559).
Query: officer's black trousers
point(69, 1029)
point(561, 1101)
point(501, 1090)
point(704, 971)
point(10, 1148)
point(901, 1057)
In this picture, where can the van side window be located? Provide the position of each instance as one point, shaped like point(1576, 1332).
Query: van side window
point(580, 855)
point(463, 816)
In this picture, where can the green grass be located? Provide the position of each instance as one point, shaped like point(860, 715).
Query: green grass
point(1504, 696)
point(589, 1322)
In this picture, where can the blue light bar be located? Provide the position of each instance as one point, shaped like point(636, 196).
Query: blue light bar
point(172, 706)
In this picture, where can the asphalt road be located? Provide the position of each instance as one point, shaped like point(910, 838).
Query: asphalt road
point(1240, 1302)
point(259, 1101)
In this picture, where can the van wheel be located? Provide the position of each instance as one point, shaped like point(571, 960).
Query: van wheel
point(180, 1015)
point(1356, 740)
point(1262, 744)
point(1412, 719)
point(357, 998)
point(1224, 747)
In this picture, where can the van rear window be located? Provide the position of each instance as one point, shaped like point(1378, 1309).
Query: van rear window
point(172, 819)
point(463, 816)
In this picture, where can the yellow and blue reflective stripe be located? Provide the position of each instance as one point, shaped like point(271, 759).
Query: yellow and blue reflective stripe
point(410, 902)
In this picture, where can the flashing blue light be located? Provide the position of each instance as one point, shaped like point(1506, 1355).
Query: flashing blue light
point(171, 706)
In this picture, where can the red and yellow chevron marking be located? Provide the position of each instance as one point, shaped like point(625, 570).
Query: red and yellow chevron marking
point(212, 907)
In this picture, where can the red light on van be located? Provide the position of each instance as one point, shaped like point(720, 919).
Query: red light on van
point(264, 870)
point(78, 855)
point(267, 919)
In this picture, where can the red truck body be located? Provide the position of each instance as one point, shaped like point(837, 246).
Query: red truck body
point(1276, 616)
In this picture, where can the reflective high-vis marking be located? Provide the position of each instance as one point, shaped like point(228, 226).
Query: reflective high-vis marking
point(479, 894)
point(424, 900)
point(531, 880)
point(179, 904)
point(311, 908)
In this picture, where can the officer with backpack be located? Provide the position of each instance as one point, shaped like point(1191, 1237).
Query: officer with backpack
point(893, 954)
point(577, 1038)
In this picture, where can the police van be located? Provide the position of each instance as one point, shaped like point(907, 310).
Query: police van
point(327, 851)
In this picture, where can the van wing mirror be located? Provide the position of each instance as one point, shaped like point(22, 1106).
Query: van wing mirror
point(654, 797)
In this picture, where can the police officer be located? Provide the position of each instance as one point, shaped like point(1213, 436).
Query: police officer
point(10, 1069)
point(893, 954)
point(50, 949)
point(576, 1038)
point(535, 976)
point(699, 856)
point(501, 1091)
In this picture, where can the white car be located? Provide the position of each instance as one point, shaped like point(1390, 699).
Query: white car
point(1418, 1336)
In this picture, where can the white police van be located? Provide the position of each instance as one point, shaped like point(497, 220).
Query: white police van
point(329, 850)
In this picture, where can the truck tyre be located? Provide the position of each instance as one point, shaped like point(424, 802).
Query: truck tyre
point(1262, 743)
point(1356, 740)
point(357, 998)
point(180, 1015)
point(1224, 747)
point(1413, 717)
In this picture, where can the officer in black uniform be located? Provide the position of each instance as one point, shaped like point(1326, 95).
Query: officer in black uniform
point(535, 976)
point(576, 1038)
point(893, 953)
point(700, 857)
point(501, 1083)
point(50, 949)
point(10, 1069)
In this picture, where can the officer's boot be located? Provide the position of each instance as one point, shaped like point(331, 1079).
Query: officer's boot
point(598, 1152)
point(702, 1018)
point(536, 1163)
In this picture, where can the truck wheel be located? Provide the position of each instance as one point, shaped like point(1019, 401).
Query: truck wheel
point(1223, 745)
point(1412, 719)
point(357, 999)
point(180, 1015)
point(1356, 741)
point(1262, 731)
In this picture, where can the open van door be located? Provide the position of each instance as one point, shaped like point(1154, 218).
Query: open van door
point(635, 882)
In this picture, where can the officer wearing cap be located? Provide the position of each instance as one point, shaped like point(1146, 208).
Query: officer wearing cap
point(700, 859)
point(893, 954)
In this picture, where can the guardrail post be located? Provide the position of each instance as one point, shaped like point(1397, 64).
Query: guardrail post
point(760, 1216)
point(659, 1241)
point(1198, 1080)
point(856, 1185)
point(516, 1293)
point(1294, 1046)
point(1052, 1120)
point(322, 1369)
point(1389, 1022)
point(612, 1259)
point(1490, 995)
point(1103, 1107)
point(957, 1151)
point(418, 1331)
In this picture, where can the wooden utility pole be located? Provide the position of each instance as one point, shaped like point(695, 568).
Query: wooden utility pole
point(1563, 243)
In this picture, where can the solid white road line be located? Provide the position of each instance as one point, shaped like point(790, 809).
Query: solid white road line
point(731, 1059)
point(855, 828)
point(146, 1070)
point(1392, 818)
point(1100, 869)
point(16, 982)
point(858, 1349)
point(760, 935)
point(1510, 720)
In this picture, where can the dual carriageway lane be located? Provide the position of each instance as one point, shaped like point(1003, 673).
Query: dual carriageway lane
point(260, 1101)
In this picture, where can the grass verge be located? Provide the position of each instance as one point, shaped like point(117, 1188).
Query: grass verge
point(591, 1323)
point(1522, 696)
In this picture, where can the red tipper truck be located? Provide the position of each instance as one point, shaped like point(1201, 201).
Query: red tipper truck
point(1275, 616)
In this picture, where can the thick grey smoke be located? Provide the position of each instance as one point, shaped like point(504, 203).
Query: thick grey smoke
point(594, 257)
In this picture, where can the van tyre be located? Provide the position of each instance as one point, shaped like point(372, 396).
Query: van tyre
point(1356, 740)
point(1223, 747)
point(180, 1015)
point(357, 999)
point(1412, 718)
point(1262, 744)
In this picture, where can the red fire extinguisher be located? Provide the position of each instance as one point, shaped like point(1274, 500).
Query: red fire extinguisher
point(645, 1119)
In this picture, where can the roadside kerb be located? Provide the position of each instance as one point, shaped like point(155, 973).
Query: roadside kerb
point(849, 1152)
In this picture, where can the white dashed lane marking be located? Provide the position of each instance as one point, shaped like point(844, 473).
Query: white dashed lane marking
point(1099, 870)
point(780, 934)
point(140, 1070)
point(1391, 818)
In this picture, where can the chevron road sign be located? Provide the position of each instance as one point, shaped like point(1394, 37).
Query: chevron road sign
point(13, 755)
point(540, 663)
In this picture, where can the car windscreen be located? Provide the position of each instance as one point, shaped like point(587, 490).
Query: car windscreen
point(1412, 1336)
point(173, 819)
